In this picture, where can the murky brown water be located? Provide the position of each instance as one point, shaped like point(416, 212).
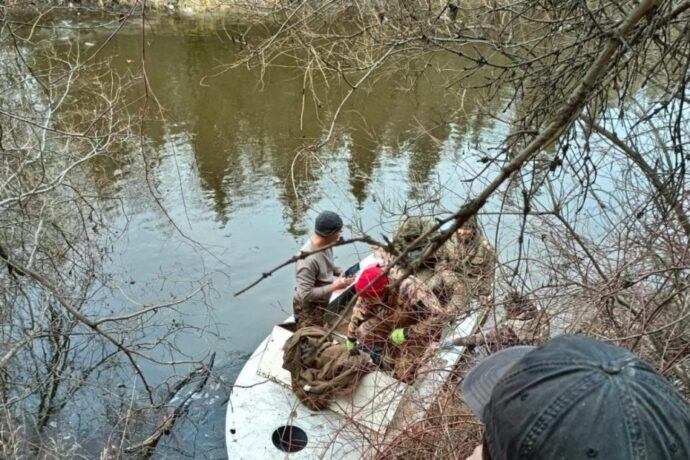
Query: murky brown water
point(223, 163)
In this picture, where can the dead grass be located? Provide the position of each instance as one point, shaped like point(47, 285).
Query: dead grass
point(450, 430)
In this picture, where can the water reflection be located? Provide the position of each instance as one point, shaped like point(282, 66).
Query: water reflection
point(219, 154)
point(244, 126)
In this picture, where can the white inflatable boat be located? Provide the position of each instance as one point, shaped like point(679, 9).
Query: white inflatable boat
point(265, 420)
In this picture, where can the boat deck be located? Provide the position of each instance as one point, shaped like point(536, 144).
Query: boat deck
point(262, 404)
point(265, 420)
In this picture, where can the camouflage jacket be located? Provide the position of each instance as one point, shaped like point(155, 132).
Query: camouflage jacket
point(527, 328)
point(531, 328)
point(413, 306)
point(474, 263)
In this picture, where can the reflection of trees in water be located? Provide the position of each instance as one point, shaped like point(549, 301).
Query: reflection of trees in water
point(245, 126)
point(425, 153)
point(238, 130)
point(364, 150)
point(51, 226)
point(569, 90)
point(69, 345)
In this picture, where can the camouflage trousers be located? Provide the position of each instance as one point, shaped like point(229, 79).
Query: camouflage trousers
point(375, 330)
point(308, 313)
point(454, 293)
point(415, 358)
point(403, 360)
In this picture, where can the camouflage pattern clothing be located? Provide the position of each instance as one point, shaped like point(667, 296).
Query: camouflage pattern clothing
point(415, 309)
point(529, 327)
point(410, 230)
point(413, 306)
point(465, 271)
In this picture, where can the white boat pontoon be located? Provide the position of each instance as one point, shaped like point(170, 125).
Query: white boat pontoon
point(265, 420)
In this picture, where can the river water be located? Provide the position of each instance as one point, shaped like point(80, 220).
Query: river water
point(232, 201)
point(212, 186)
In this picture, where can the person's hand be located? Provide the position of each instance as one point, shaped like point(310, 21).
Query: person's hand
point(451, 342)
point(447, 344)
point(477, 453)
point(342, 282)
point(464, 341)
point(398, 336)
point(351, 345)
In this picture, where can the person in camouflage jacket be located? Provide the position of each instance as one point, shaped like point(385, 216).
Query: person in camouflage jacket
point(401, 323)
point(410, 230)
point(379, 310)
point(524, 324)
point(465, 269)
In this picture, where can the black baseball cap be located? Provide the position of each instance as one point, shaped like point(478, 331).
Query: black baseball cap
point(327, 223)
point(577, 398)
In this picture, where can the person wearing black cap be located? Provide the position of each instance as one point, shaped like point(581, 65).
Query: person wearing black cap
point(576, 398)
point(315, 273)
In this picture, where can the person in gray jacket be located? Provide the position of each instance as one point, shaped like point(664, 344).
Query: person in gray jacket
point(316, 275)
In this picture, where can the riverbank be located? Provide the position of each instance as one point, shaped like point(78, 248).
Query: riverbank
point(187, 7)
point(198, 8)
point(183, 8)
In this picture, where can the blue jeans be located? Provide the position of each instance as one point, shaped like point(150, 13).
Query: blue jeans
point(376, 354)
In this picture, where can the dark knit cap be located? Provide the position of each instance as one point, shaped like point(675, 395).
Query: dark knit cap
point(327, 223)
